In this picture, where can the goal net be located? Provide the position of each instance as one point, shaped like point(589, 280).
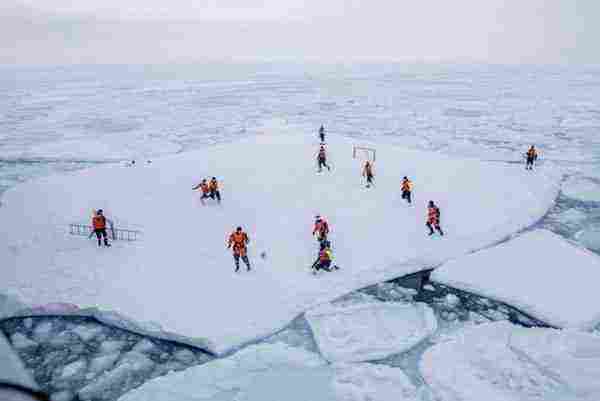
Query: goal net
point(363, 153)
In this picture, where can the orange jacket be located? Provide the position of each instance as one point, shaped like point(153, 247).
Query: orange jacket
point(99, 222)
point(406, 185)
point(238, 241)
point(531, 153)
point(214, 185)
point(321, 227)
point(433, 215)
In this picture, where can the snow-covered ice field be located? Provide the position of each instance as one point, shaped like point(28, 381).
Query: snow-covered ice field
point(270, 187)
point(64, 119)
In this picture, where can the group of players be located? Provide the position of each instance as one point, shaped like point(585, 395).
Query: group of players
point(238, 240)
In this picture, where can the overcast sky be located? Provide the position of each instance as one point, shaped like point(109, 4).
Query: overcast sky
point(163, 31)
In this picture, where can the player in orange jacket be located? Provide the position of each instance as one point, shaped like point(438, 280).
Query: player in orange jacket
point(203, 186)
point(213, 186)
point(320, 229)
point(433, 218)
point(99, 227)
point(239, 240)
point(406, 188)
point(531, 156)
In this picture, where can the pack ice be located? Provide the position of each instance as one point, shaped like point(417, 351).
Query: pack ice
point(502, 362)
point(369, 331)
point(534, 272)
point(178, 280)
point(273, 372)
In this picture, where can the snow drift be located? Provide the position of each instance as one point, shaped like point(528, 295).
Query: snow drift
point(178, 281)
point(535, 273)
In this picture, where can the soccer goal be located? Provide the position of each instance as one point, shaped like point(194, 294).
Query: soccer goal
point(364, 153)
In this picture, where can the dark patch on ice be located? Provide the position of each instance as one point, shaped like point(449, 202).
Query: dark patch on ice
point(92, 353)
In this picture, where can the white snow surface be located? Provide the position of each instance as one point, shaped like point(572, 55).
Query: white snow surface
point(371, 331)
point(501, 362)
point(274, 372)
point(538, 272)
point(177, 281)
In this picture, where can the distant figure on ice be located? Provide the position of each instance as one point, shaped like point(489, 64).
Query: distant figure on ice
point(203, 186)
point(433, 218)
point(324, 259)
point(239, 239)
point(322, 134)
point(368, 173)
point(322, 159)
point(99, 226)
point(321, 229)
point(531, 158)
point(213, 187)
point(406, 189)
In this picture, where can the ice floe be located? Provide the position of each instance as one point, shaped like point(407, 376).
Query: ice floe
point(539, 273)
point(370, 331)
point(274, 372)
point(180, 267)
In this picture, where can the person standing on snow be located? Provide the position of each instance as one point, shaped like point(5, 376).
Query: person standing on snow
point(322, 159)
point(368, 173)
point(204, 188)
point(213, 187)
point(99, 226)
point(433, 218)
point(238, 240)
point(324, 260)
point(322, 134)
point(320, 229)
point(406, 190)
point(531, 158)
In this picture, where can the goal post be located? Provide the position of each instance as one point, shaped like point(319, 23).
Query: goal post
point(364, 153)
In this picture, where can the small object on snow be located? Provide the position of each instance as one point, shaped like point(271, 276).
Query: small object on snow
point(263, 255)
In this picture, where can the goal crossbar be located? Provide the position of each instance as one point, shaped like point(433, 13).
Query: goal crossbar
point(370, 152)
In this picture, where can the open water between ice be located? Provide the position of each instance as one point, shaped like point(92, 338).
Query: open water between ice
point(59, 119)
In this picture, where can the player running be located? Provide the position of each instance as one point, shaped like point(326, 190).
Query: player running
point(239, 240)
point(433, 218)
point(322, 159)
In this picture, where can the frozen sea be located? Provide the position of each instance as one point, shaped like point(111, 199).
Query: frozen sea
point(56, 119)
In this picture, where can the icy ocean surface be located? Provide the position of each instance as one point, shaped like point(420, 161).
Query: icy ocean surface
point(57, 119)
